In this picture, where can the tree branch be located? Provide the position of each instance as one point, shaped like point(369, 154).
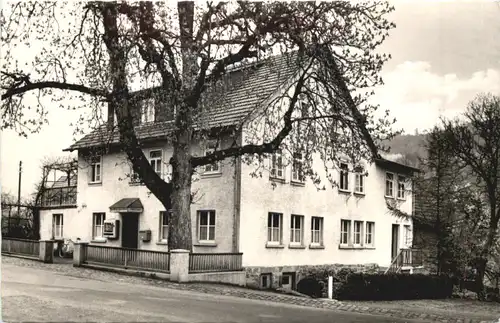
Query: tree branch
point(330, 63)
point(54, 85)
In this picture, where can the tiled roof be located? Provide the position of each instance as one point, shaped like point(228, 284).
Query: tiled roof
point(63, 181)
point(239, 93)
point(127, 203)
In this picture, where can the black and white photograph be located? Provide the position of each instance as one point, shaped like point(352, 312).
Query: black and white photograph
point(250, 161)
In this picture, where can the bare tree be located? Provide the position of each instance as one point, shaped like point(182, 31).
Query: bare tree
point(475, 141)
point(113, 56)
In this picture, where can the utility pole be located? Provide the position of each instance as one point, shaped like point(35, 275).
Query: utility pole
point(19, 191)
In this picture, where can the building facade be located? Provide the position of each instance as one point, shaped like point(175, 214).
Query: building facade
point(280, 222)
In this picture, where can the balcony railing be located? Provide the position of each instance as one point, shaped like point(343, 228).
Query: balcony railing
point(215, 262)
point(405, 258)
point(59, 196)
point(127, 258)
point(21, 247)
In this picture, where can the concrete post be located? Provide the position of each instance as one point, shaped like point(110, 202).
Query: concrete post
point(46, 251)
point(179, 265)
point(79, 254)
point(330, 287)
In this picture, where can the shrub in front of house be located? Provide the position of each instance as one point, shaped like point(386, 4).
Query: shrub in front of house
point(319, 288)
point(359, 286)
point(310, 286)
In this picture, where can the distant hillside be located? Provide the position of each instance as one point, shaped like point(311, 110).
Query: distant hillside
point(412, 147)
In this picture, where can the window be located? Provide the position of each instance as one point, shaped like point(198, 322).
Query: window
point(155, 157)
point(401, 187)
point(344, 177)
point(265, 280)
point(389, 184)
point(57, 224)
point(407, 235)
point(359, 185)
point(98, 225)
point(274, 224)
point(134, 177)
point(168, 173)
point(211, 147)
point(369, 232)
point(147, 110)
point(297, 168)
point(277, 164)
point(296, 229)
point(206, 227)
point(164, 218)
point(316, 230)
point(345, 232)
point(95, 169)
point(358, 225)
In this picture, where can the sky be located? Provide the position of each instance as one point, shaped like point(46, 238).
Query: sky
point(443, 54)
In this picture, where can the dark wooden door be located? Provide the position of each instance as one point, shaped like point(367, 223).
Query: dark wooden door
point(395, 241)
point(130, 230)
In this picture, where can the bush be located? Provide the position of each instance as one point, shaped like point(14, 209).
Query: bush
point(310, 286)
point(359, 286)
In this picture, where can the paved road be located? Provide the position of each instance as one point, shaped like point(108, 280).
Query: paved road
point(30, 294)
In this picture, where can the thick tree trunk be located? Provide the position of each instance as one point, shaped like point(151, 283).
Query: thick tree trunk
point(180, 234)
point(481, 271)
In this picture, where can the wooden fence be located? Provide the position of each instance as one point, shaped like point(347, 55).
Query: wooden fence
point(22, 247)
point(215, 262)
point(127, 258)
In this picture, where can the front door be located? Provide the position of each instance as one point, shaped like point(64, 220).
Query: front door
point(395, 241)
point(130, 230)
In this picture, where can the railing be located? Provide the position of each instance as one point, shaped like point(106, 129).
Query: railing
point(21, 246)
point(127, 258)
point(405, 257)
point(59, 196)
point(215, 262)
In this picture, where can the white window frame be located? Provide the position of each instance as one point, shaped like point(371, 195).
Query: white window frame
point(134, 177)
point(357, 237)
point(156, 162)
point(210, 147)
point(317, 220)
point(345, 233)
point(274, 233)
point(296, 233)
point(370, 233)
point(98, 217)
point(210, 226)
point(95, 169)
point(163, 228)
point(344, 174)
point(407, 235)
point(57, 225)
point(147, 110)
point(298, 162)
point(277, 168)
point(168, 172)
point(389, 184)
point(359, 183)
point(401, 187)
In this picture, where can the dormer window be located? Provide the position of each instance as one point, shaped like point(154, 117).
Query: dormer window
point(147, 107)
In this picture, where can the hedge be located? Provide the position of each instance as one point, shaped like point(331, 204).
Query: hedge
point(359, 286)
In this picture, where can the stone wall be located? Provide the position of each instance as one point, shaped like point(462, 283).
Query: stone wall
point(253, 273)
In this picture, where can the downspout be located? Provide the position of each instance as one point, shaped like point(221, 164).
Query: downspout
point(237, 199)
